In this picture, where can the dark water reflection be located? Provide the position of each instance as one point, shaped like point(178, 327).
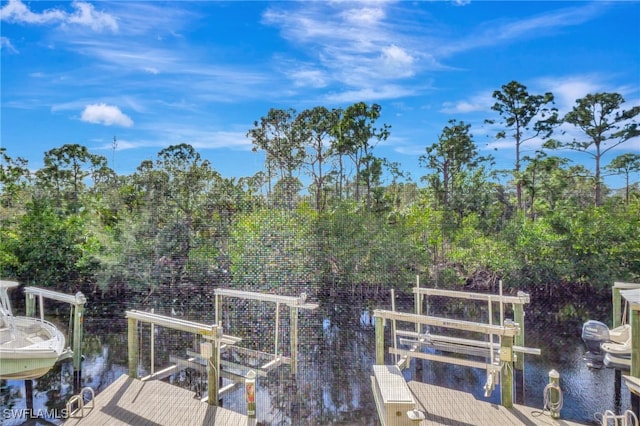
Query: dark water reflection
point(337, 349)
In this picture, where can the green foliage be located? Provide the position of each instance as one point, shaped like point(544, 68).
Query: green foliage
point(274, 250)
point(54, 251)
point(603, 245)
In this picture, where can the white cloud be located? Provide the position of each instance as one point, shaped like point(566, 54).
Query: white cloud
point(479, 102)
point(84, 15)
point(165, 134)
point(308, 78)
point(370, 94)
point(364, 16)
point(354, 45)
point(567, 90)
point(499, 32)
point(105, 114)
point(5, 43)
point(16, 11)
point(397, 61)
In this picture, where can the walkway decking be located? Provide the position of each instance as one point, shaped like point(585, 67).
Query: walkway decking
point(130, 401)
point(444, 406)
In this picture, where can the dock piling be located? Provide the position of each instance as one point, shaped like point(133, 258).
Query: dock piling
point(554, 403)
point(132, 342)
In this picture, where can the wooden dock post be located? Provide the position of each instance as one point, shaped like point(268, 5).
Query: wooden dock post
point(616, 299)
point(213, 370)
point(132, 341)
point(379, 327)
point(506, 372)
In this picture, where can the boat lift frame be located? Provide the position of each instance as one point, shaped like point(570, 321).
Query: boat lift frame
point(210, 350)
point(517, 303)
point(294, 304)
point(511, 333)
point(77, 302)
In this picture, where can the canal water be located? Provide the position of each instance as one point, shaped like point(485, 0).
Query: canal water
point(332, 384)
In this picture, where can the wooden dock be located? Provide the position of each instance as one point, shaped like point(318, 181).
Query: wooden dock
point(444, 406)
point(130, 401)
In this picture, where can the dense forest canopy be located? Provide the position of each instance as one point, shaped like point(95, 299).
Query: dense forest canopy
point(326, 215)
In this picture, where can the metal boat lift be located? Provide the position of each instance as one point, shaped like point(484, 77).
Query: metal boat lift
point(76, 329)
point(501, 355)
point(210, 349)
point(294, 304)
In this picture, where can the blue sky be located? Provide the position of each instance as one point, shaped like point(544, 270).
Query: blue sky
point(154, 74)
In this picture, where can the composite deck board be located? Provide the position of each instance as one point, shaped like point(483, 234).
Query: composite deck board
point(444, 406)
point(153, 403)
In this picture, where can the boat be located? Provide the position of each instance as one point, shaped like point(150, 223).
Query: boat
point(611, 348)
point(29, 347)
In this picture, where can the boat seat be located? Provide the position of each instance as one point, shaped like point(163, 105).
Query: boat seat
point(620, 334)
point(32, 329)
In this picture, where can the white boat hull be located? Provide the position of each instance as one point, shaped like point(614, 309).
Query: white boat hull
point(617, 362)
point(31, 350)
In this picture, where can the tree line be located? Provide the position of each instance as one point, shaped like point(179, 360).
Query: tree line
point(176, 226)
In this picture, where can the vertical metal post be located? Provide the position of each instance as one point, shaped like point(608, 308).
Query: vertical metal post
point(501, 305)
point(418, 302)
point(491, 338)
point(41, 306)
point(379, 327)
point(132, 342)
point(78, 330)
point(217, 308)
point(152, 343)
point(276, 347)
point(393, 323)
point(294, 340)
point(30, 305)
